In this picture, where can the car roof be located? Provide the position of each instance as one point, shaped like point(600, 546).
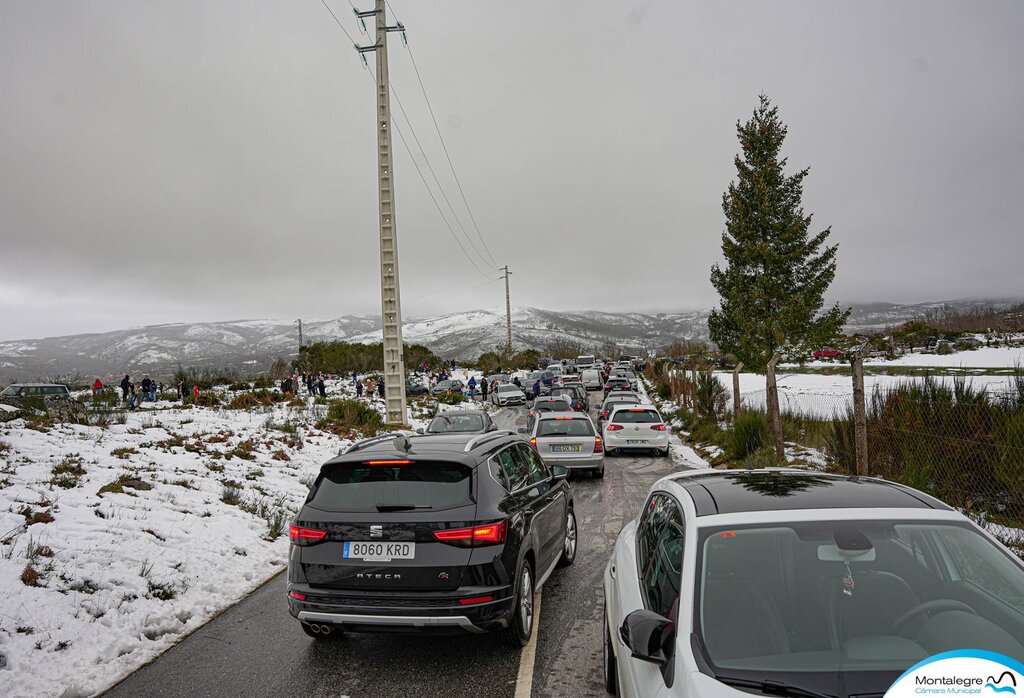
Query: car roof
point(626, 406)
point(463, 448)
point(565, 414)
point(739, 491)
point(37, 385)
point(447, 413)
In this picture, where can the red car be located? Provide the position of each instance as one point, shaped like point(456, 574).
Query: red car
point(828, 353)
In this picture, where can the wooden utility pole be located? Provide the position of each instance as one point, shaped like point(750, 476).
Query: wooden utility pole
point(508, 311)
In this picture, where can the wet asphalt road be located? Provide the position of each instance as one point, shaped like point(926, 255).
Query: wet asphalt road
point(257, 649)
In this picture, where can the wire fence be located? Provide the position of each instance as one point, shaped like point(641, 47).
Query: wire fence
point(962, 445)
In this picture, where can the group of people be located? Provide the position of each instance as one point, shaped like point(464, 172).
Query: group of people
point(314, 383)
point(147, 390)
point(369, 386)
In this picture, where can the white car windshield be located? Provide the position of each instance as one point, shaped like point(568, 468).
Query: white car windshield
point(508, 389)
point(843, 607)
point(449, 423)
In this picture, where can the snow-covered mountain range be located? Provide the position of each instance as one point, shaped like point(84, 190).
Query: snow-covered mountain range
point(251, 345)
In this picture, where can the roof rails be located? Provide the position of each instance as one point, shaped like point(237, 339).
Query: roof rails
point(360, 445)
point(489, 436)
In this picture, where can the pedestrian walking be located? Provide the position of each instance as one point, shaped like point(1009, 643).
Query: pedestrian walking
point(125, 384)
point(484, 386)
point(131, 396)
point(472, 387)
point(146, 385)
point(195, 391)
point(97, 386)
point(380, 389)
point(321, 388)
point(359, 389)
point(536, 389)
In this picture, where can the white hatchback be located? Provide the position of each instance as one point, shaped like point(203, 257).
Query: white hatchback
point(635, 428)
point(795, 583)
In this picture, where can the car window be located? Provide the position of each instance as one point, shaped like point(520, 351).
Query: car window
point(366, 487)
point(661, 570)
point(515, 469)
point(453, 423)
point(538, 470)
point(10, 391)
point(993, 573)
point(561, 426)
point(636, 415)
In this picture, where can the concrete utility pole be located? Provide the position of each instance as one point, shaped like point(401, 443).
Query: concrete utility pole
point(391, 306)
point(300, 334)
point(508, 310)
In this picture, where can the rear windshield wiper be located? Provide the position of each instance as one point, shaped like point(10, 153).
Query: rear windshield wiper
point(402, 507)
point(772, 687)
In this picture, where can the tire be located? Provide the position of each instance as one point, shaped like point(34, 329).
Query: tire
point(611, 671)
point(571, 542)
point(520, 629)
point(599, 473)
point(664, 454)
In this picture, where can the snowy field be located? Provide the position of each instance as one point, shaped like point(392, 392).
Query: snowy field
point(117, 541)
point(982, 358)
point(822, 396)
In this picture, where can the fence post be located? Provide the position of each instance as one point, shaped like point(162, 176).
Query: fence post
point(860, 420)
point(736, 390)
point(774, 416)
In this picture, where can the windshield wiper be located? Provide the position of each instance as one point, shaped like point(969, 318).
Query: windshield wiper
point(402, 507)
point(772, 687)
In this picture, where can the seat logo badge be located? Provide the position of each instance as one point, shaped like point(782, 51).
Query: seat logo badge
point(376, 531)
point(443, 575)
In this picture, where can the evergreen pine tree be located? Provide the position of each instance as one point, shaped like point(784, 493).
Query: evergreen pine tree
point(773, 285)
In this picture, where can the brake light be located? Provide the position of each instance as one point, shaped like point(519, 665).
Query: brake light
point(658, 427)
point(388, 462)
point(305, 536)
point(598, 445)
point(563, 419)
point(614, 427)
point(637, 409)
point(533, 442)
point(488, 534)
point(604, 414)
point(297, 596)
point(475, 600)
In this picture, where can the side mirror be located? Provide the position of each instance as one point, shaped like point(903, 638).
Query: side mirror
point(521, 430)
point(420, 430)
point(644, 633)
point(559, 473)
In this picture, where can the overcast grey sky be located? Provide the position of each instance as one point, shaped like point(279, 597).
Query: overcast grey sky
point(209, 160)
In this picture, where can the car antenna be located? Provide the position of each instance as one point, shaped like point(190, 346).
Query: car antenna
point(402, 443)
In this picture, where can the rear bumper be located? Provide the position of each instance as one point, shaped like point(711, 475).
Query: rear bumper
point(612, 443)
point(595, 462)
point(404, 611)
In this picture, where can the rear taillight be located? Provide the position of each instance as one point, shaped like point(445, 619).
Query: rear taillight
point(476, 536)
point(598, 445)
point(297, 596)
point(306, 536)
point(658, 427)
point(614, 427)
point(604, 414)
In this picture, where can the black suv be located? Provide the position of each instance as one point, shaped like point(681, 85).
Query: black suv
point(434, 533)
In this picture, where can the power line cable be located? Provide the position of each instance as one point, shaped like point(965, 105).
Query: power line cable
point(419, 171)
point(444, 146)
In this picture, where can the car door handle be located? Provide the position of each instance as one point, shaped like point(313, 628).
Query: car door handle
point(612, 571)
point(528, 512)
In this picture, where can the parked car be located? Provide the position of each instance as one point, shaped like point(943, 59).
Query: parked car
point(434, 533)
point(460, 422)
point(414, 388)
point(556, 403)
point(635, 428)
point(577, 396)
point(617, 383)
point(508, 394)
point(555, 369)
point(546, 379)
point(500, 377)
point(37, 390)
point(568, 439)
point(616, 398)
point(447, 386)
point(784, 582)
point(586, 361)
point(828, 353)
point(592, 379)
point(628, 374)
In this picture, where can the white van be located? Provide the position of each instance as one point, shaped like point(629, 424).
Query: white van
point(586, 361)
point(592, 379)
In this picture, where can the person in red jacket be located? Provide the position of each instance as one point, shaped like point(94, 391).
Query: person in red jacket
point(97, 386)
point(195, 391)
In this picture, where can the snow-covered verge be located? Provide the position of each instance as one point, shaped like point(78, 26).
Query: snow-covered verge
point(981, 358)
point(680, 452)
point(117, 541)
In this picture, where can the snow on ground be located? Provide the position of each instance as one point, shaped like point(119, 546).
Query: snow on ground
point(982, 357)
point(124, 573)
point(680, 452)
point(822, 396)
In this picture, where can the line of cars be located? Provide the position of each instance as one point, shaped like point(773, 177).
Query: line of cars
point(727, 583)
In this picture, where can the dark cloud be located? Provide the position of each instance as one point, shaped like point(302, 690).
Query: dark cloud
point(195, 160)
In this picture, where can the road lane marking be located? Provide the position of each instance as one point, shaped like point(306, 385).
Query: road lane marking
point(524, 682)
